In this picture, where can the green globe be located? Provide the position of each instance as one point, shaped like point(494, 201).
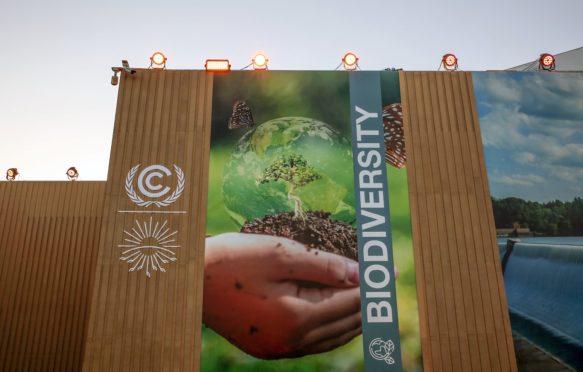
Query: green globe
point(321, 145)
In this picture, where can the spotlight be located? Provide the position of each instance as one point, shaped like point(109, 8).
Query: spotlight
point(115, 77)
point(11, 174)
point(217, 65)
point(72, 174)
point(158, 60)
point(116, 70)
point(260, 62)
point(350, 61)
point(449, 62)
point(546, 62)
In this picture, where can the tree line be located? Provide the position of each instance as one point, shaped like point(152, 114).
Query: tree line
point(551, 218)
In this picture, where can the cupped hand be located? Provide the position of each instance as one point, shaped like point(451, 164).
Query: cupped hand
point(273, 298)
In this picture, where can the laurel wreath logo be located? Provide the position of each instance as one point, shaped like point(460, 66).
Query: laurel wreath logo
point(134, 197)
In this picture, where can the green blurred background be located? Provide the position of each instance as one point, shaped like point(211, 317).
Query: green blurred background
point(322, 96)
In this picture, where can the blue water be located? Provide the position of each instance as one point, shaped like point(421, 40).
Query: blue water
point(544, 288)
point(558, 240)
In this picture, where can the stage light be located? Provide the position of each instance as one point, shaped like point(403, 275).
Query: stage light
point(350, 61)
point(260, 62)
point(72, 174)
point(546, 62)
point(158, 60)
point(217, 65)
point(11, 174)
point(449, 62)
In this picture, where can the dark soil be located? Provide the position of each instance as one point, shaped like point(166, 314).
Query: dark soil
point(318, 231)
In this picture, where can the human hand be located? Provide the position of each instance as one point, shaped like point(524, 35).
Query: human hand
point(274, 299)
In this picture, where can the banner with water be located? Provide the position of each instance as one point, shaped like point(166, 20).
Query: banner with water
point(532, 131)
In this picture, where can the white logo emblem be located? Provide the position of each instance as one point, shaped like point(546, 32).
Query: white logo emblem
point(149, 247)
point(382, 350)
point(153, 190)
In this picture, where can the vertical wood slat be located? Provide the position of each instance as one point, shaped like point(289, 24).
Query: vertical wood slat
point(136, 322)
point(463, 313)
point(43, 288)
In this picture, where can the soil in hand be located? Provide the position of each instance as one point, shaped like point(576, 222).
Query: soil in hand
point(318, 231)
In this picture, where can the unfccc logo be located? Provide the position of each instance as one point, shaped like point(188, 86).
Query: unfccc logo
point(149, 185)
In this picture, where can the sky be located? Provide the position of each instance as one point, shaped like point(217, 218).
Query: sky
point(57, 105)
point(532, 131)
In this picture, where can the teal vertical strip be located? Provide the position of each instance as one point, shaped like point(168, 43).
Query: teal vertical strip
point(378, 297)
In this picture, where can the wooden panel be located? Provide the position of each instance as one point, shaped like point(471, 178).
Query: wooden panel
point(463, 313)
point(49, 235)
point(137, 322)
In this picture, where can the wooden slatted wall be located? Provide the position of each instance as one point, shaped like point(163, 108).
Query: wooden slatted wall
point(49, 234)
point(141, 323)
point(463, 313)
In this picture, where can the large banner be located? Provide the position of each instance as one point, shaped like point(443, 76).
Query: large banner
point(532, 131)
point(308, 226)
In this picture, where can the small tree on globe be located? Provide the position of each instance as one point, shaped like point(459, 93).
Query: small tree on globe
point(295, 171)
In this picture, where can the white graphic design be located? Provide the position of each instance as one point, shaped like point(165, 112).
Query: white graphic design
point(149, 247)
point(382, 350)
point(148, 188)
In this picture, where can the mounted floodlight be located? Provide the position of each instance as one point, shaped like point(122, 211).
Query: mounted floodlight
point(125, 66)
point(217, 65)
point(449, 62)
point(350, 61)
point(11, 174)
point(72, 174)
point(115, 77)
point(260, 62)
point(546, 62)
point(158, 60)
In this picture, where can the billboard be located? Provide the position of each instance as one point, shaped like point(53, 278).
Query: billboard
point(305, 248)
point(532, 132)
point(298, 178)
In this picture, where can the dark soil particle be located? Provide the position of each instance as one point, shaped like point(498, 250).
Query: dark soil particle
point(253, 329)
point(318, 231)
point(238, 285)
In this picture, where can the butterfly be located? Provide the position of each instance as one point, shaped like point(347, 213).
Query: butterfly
point(241, 116)
point(395, 152)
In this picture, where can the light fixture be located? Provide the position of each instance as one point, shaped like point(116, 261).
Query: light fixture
point(115, 77)
point(72, 174)
point(116, 70)
point(260, 62)
point(217, 65)
point(11, 174)
point(546, 62)
point(449, 62)
point(350, 61)
point(158, 60)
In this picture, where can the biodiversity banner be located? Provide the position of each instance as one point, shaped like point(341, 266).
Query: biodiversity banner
point(308, 261)
point(532, 131)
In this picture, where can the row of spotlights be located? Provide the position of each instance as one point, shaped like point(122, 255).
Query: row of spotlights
point(72, 174)
point(259, 62)
point(349, 62)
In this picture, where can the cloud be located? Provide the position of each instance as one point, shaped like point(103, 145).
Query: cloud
point(527, 180)
point(536, 119)
point(526, 158)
